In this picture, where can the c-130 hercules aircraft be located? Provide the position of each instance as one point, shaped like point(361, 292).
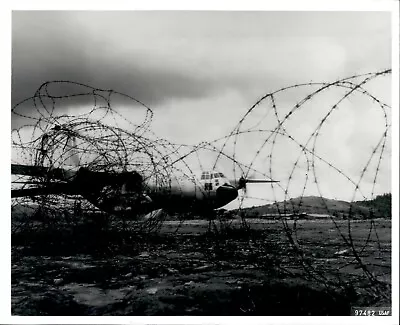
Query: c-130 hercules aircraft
point(128, 193)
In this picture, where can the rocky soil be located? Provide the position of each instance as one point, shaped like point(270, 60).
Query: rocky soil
point(191, 271)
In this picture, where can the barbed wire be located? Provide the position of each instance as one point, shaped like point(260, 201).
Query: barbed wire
point(101, 141)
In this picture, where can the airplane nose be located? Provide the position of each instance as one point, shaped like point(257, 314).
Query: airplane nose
point(226, 193)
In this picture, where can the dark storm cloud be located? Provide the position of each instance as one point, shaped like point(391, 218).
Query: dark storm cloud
point(164, 57)
point(54, 46)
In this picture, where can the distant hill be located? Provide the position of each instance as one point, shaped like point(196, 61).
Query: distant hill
point(378, 207)
point(381, 205)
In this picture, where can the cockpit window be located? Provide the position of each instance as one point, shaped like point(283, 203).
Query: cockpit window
point(205, 175)
point(211, 175)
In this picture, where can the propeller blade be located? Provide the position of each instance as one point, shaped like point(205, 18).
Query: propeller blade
point(242, 183)
point(260, 181)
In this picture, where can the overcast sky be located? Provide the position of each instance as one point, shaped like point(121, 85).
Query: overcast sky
point(200, 71)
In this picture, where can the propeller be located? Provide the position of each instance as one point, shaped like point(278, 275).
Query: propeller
point(242, 182)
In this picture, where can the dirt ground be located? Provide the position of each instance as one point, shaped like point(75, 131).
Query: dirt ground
point(184, 269)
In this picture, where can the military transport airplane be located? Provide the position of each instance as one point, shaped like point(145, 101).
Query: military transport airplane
point(130, 193)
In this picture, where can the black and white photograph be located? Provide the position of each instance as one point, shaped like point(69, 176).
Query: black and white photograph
point(202, 162)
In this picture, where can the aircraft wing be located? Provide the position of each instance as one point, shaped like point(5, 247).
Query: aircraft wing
point(60, 188)
point(39, 171)
point(57, 184)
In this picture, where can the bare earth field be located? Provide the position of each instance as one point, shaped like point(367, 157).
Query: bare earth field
point(184, 269)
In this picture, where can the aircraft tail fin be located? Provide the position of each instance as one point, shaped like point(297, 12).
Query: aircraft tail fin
point(73, 154)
